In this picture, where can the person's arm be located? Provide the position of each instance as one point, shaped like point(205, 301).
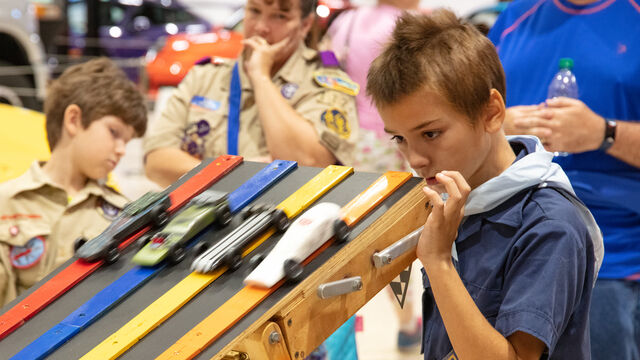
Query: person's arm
point(164, 161)
point(165, 165)
point(471, 335)
point(8, 289)
point(288, 135)
point(569, 125)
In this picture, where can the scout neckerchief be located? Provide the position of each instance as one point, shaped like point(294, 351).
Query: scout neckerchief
point(233, 125)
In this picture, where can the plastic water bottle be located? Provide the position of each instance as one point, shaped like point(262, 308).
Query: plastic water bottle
point(563, 84)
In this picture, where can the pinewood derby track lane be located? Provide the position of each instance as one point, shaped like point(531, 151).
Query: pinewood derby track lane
point(341, 195)
point(209, 299)
point(105, 275)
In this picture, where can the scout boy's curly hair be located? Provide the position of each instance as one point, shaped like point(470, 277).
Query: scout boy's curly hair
point(99, 88)
point(440, 53)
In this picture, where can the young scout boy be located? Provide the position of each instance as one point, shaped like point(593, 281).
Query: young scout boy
point(509, 255)
point(279, 100)
point(92, 111)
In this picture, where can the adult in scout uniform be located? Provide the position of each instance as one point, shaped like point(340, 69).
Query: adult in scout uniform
point(279, 100)
point(92, 111)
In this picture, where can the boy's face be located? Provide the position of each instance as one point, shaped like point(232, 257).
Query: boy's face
point(273, 23)
point(99, 147)
point(434, 137)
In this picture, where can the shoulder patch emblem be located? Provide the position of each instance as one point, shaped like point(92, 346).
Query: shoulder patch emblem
point(288, 90)
point(335, 120)
point(108, 210)
point(338, 83)
point(24, 257)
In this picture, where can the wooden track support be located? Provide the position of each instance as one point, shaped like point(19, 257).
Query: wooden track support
point(304, 319)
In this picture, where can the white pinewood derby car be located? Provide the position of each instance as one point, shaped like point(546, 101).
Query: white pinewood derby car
point(305, 235)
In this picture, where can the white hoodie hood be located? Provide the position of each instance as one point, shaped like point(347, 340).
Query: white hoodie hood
point(535, 168)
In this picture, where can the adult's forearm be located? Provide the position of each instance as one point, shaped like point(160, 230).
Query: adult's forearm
point(288, 135)
point(165, 165)
point(627, 144)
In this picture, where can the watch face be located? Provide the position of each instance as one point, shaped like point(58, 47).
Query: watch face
point(24, 257)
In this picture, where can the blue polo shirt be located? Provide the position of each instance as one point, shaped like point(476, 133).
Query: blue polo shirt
point(602, 39)
point(528, 265)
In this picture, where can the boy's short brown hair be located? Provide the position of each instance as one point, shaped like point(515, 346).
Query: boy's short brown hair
point(440, 53)
point(100, 89)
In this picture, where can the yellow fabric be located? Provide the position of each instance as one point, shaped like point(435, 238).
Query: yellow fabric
point(23, 139)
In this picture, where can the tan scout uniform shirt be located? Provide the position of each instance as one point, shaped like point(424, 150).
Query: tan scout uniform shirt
point(195, 118)
point(38, 226)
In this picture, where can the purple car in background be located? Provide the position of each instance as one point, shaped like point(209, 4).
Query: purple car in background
point(125, 29)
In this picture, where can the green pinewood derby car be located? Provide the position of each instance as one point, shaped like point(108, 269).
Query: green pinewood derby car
point(169, 243)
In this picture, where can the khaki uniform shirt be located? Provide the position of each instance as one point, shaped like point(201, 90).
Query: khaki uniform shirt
point(39, 224)
point(195, 118)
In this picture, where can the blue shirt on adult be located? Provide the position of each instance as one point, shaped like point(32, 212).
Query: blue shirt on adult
point(602, 38)
point(528, 265)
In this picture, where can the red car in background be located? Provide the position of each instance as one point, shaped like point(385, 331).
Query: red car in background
point(169, 60)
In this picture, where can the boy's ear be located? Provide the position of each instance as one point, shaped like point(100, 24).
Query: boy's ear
point(72, 121)
point(307, 22)
point(494, 112)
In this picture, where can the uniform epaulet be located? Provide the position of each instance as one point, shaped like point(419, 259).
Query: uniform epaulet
point(329, 59)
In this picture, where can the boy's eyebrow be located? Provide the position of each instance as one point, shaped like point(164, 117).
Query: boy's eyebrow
point(420, 126)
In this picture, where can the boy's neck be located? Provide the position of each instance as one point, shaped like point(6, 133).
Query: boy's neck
point(501, 156)
point(62, 172)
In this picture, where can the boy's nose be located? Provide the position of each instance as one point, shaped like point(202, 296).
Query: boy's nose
point(415, 159)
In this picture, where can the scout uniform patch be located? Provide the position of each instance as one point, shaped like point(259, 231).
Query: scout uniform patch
point(24, 257)
point(338, 83)
point(335, 120)
point(192, 141)
point(205, 103)
point(108, 210)
point(287, 90)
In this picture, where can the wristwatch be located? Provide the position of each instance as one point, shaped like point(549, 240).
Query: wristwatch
point(609, 134)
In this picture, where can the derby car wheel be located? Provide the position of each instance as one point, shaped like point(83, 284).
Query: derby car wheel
point(293, 270)
point(112, 255)
point(77, 243)
point(176, 255)
point(281, 220)
point(341, 231)
point(200, 248)
point(159, 217)
point(255, 261)
point(223, 217)
point(143, 240)
point(233, 259)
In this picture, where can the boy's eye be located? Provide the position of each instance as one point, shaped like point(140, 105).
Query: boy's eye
point(254, 11)
point(431, 134)
point(114, 132)
point(397, 139)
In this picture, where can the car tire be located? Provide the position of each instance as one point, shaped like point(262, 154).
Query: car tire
point(233, 259)
point(176, 255)
point(223, 217)
point(200, 248)
point(293, 270)
point(77, 243)
point(113, 254)
point(255, 261)
point(280, 220)
point(160, 218)
point(143, 240)
point(341, 231)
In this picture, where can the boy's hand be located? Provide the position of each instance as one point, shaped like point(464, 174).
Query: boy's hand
point(261, 56)
point(441, 228)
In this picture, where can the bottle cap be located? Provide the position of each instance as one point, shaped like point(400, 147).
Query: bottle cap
point(565, 63)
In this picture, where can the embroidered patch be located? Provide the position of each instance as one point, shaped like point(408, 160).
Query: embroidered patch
point(335, 120)
point(24, 257)
point(338, 83)
point(204, 103)
point(192, 141)
point(108, 210)
point(288, 90)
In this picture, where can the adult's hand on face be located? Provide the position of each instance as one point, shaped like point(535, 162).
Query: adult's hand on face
point(261, 56)
point(441, 227)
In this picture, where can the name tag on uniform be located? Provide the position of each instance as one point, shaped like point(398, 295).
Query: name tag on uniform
point(205, 103)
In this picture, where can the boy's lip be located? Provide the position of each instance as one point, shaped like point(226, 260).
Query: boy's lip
point(431, 181)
